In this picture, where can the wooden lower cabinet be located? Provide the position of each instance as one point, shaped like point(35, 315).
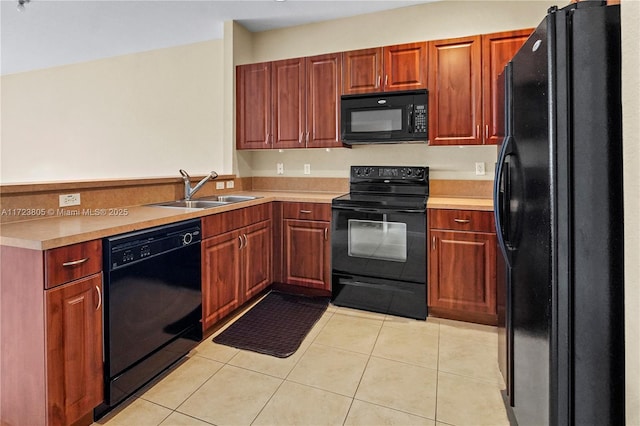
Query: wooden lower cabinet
point(74, 349)
point(236, 265)
point(307, 253)
point(304, 245)
point(462, 266)
point(51, 369)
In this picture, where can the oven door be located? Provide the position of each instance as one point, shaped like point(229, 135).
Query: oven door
point(379, 260)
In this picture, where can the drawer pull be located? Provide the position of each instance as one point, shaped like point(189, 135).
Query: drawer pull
point(305, 211)
point(461, 220)
point(326, 234)
point(75, 262)
point(99, 298)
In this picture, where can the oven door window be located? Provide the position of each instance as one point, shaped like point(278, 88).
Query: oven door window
point(376, 120)
point(379, 240)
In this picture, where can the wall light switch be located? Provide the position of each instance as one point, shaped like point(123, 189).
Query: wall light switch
point(69, 200)
point(307, 169)
point(280, 168)
point(219, 185)
point(230, 184)
point(480, 169)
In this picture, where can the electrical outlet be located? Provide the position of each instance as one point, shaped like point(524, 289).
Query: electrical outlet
point(230, 184)
point(280, 168)
point(219, 185)
point(69, 200)
point(480, 169)
point(307, 169)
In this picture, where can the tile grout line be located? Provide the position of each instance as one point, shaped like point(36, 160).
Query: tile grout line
point(364, 370)
point(292, 368)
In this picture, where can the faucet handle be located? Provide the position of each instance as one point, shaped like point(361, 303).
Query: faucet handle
point(213, 175)
point(185, 175)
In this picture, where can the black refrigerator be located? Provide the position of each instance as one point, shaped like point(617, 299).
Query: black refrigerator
point(559, 215)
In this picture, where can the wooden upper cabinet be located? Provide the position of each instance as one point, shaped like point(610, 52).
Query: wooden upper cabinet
point(405, 66)
point(289, 103)
point(497, 50)
point(390, 68)
point(463, 86)
point(455, 108)
point(253, 98)
point(324, 85)
point(362, 72)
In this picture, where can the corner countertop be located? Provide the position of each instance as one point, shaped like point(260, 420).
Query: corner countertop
point(57, 231)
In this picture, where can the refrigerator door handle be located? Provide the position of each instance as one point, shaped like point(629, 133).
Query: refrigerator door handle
point(498, 203)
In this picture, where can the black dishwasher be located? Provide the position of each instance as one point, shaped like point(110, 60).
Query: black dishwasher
point(153, 305)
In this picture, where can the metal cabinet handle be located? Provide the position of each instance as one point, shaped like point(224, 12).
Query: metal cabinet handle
point(266, 139)
point(241, 242)
point(326, 234)
point(307, 137)
point(433, 243)
point(246, 240)
point(378, 82)
point(305, 211)
point(478, 130)
point(461, 220)
point(386, 79)
point(301, 137)
point(486, 131)
point(75, 262)
point(99, 298)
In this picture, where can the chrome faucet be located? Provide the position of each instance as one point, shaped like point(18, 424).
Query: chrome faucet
point(188, 191)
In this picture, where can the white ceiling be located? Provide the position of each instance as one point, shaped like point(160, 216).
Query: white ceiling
point(52, 32)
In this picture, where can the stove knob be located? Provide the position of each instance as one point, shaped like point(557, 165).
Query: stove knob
point(407, 171)
point(418, 172)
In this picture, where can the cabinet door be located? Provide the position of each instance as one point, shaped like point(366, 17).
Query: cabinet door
point(74, 349)
point(462, 271)
point(221, 269)
point(306, 253)
point(289, 103)
point(405, 66)
point(324, 85)
point(362, 71)
point(455, 98)
point(256, 253)
point(253, 109)
point(497, 50)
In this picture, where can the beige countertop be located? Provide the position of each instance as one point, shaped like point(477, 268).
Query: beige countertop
point(58, 231)
point(464, 203)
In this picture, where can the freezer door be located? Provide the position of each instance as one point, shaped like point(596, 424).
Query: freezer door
point(527, 228)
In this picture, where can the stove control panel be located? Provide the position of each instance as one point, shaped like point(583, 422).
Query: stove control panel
point(389, 172)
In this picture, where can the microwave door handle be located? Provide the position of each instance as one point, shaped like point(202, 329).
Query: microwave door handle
point(410, 118)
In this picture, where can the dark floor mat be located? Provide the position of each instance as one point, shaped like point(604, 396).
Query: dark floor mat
point(276, 325)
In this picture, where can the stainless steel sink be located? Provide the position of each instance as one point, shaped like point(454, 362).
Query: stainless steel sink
point(192, 204)
point(206, 202)
point(230, 198)
point(235, 198)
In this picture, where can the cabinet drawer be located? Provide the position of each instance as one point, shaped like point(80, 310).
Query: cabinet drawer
point(224, 222)
point(306, 211)
point(69, 263)
point(461, 220)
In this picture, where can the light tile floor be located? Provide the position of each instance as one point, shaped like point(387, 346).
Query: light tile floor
point(354, 368)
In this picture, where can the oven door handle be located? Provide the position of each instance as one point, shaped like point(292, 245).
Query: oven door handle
point(382, 211)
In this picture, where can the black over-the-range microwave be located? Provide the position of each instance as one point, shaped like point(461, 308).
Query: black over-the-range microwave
point(390, 117)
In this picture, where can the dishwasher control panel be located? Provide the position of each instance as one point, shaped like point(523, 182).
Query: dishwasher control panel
point(133, 247)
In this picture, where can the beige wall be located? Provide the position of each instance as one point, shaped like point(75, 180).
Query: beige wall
point(422, 22)
point(630, 10)
point(139, 115)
